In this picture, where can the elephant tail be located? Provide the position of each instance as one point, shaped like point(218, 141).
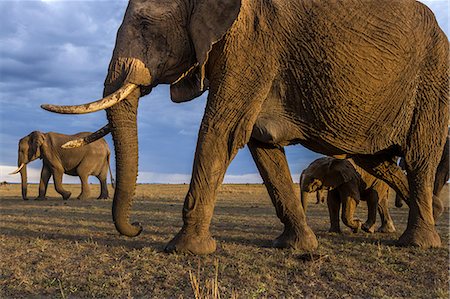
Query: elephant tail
point(110, 172)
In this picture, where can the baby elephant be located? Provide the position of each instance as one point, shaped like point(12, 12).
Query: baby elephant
point(92, 159)
point(347, 184)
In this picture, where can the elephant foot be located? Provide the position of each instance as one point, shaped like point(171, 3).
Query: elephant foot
point(66, 195)
point(387, 228)
point(368, 228)
point(185, 242)
point(41, 198)
point(302, 238)
point(423, 235)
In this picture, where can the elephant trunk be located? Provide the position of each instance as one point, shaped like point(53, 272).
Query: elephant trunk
point(23, 177)
point(348, 212)
point(122, 120)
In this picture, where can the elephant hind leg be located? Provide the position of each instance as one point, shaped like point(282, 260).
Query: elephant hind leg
point(272, 165)
point(103, 184)
point(84, 187)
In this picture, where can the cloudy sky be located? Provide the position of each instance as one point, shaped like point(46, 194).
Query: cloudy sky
point(58, 52)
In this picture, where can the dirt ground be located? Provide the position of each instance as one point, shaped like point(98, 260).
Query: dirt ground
point(70, 249)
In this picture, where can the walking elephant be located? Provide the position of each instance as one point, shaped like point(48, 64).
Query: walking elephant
point(347, 184)
point(92, 159)
point(339, 77)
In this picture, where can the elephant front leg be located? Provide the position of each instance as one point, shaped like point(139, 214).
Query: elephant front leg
point(210, 163)
point(272, 165)
point(334, 206)
point(57, 177)
point(43, 183)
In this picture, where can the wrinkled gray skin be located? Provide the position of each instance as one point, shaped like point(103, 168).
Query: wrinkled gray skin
point(441, 178)
point(368, 79)
point(347, 184)
point(92, 159)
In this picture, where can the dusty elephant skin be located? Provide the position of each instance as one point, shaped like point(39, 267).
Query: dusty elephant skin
point(348, 184)
point(92, 159)
point(367, 79)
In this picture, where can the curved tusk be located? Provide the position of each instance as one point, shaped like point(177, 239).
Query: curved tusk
point(18, 169)
point(102, 104)
point(88, 139)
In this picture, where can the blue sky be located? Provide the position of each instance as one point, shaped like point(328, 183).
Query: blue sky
point(58, 52)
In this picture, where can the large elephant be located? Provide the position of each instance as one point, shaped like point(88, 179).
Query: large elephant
point(92, 159)
point(367, 79)
point(347, 184)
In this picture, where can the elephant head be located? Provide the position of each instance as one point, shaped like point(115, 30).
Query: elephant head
point(326, 174)
point(30, 149)
point(158, 42)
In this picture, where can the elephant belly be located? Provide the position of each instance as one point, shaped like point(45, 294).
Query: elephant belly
point(272, 130)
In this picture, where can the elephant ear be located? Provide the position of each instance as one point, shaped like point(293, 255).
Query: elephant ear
point(188, 87)
point(210, 20)
point(339, 172)
point(36, 140)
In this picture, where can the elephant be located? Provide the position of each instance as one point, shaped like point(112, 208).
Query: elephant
point(440, 179)
point(92, 159)
point(340, 77)
point(347, 184)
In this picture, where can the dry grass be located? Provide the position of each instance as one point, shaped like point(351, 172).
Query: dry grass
point(70, 249)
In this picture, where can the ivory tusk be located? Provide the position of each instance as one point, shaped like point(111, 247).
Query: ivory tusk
point(88, 139)
point(18, 169)
point(102, 104)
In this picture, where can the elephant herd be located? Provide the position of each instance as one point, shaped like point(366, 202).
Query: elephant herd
point(362, 80)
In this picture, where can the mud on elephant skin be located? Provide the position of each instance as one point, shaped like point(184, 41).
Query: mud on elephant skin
point(92, 159)
point(279, 74)
point(347, 184)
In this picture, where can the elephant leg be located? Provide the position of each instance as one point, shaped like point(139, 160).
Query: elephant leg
point(387, 224)
point(233, 105)
point(103, 185)
point(334, 207)
point(57, 177)
point(84, 187)
point(273, 167)
point(43, 182)
point(372, 204)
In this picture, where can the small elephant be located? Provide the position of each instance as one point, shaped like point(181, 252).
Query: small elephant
point(92, 159)
point(347, 184)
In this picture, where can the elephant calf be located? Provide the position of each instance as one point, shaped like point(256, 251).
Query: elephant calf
point(347, 184)
point(92, 159)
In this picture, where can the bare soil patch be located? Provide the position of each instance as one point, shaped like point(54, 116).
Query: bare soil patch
point(70, 249)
